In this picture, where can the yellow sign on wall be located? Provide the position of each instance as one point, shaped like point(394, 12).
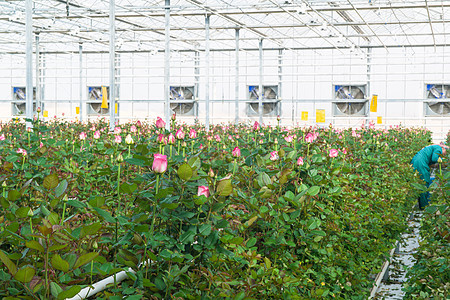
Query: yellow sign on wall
point(45, 114)
point(304, 116)
point(77, 110)
point(374, 103)
point(104, 97)
point(116, 108)
point(379, 120)
point(320, 115)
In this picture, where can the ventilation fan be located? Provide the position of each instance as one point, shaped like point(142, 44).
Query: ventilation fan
point(182, 100)
point(347, 100)
point(270, 101)
point(438, 108)
point(19, 101)
point(94, 103)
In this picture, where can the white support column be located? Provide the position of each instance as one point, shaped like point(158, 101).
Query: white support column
point(112, 69)
point(368, 91)
point(38, 84)
point(80, 50)
point(236, 81)
point(280, 79)
point(167, 64)
point(29, 61)
point(261, 89)
point(207, 72)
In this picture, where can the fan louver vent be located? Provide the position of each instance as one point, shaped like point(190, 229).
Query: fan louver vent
point(350, 108)
point(182, 100)
point(438, 91)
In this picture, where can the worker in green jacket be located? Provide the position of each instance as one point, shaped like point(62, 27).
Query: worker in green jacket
point(422, 161)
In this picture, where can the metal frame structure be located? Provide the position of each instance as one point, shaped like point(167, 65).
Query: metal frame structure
point(366, 31)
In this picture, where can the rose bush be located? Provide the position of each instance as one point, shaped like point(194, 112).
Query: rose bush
point(429, 278)
point(195, 219)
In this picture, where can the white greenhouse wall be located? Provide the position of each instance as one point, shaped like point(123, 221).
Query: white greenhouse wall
point(306, 82)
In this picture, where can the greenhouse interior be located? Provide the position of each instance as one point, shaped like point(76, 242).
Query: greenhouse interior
point(224, 149)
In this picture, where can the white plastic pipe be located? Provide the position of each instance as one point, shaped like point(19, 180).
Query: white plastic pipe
point(101, 285)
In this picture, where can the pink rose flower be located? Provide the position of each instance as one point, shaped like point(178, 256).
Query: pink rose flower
point(333, 152)
point(159, 163)
point(300, 161)
point(289, 138)
point(255, 125)
point(203, 190)
point(22, 151)
point(309, 138)
point(171, 139)
point(274, 156)
point(97, 135)
point(160, 123)
point(192, 134)
point(133, 128)
point(83, 136)
point(117, 130)
point(236, 152)
point(118, 139)
point(160, 138)
point(179, 134)
point(2, 137)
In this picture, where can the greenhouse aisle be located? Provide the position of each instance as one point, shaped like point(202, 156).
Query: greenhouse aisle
point(403, 260)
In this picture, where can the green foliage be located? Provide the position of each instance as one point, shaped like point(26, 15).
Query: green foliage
point(70, 216)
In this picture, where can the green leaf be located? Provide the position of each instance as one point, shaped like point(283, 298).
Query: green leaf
point(106, 215)
point(224, 188)
point(8, 263)
point(34, 245)
point(319, 232)
point(420, 187)
point(25, 275)
point(5, 203)
point(128, 188)
point(251, 242)
point(13, 195)
point(90, 229)
point(314, 190)
point(187, 237)
point(55, 289)
point(289, 196)
point(76, 203)
point(263, 179)
point(163, 193)
point(70, 292)
point(205, 229)
point(237, 240)
point(44, 210)
point(51, 181)
point(53, 218)
point(185, 172)
point(447, 176)
point(84, 259)
point(97, 202)
point(24, 212)
point(61, 188)
point(59, 264)
point(195, 162)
